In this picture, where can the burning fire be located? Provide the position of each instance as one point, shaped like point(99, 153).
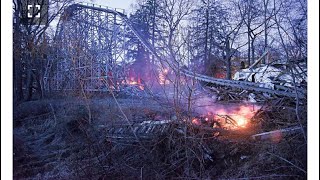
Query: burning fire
point(228, 119)
point(237, 118)
point(241, 121)
point(138, 83)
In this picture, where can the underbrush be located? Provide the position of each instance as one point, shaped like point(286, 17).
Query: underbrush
point(58, 139)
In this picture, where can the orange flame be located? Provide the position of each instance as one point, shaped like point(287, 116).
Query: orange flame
point(239, 118)
point(243, 115)
point(132, 81)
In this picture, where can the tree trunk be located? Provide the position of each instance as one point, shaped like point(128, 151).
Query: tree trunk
point(153, 29)
point(252, 49)
point(265, 30)
point(29, 85)
point(17, 69)
point(228, 59)
point(38, 78)
point(249, 31)
point(249, 50)
point(206, 57)
point(17, 79)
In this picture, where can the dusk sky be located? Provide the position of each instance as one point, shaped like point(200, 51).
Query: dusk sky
point(123, 4)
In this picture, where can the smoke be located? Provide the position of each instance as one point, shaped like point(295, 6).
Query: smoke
point(207, 105)
point(160, 81)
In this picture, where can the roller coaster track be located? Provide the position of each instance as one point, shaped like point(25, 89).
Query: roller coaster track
point(250, 86)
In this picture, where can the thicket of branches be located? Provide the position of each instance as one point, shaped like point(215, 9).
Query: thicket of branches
point(210, 33)
point(205, 35)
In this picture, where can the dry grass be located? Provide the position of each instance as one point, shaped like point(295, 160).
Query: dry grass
point(62, 144)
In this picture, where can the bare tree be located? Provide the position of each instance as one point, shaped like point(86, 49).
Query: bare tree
point(29, 36)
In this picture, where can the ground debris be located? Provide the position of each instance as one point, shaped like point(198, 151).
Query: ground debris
point(65, 145)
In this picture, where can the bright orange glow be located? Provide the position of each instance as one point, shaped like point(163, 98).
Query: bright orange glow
point(243, 115)
point(241, 121)
point(196, 121)
point(236, 118)
point(132, 81)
